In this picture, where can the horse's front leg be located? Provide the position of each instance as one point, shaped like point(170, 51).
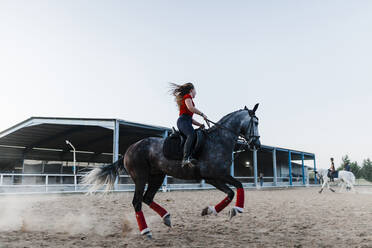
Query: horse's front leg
point(323, 185)
point(329, 187)
point(239, 205)
point(352, 188)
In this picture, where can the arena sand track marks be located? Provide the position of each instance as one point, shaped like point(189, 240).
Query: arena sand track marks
point(281, 218)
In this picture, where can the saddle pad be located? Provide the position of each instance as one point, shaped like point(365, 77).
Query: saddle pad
point(173, 149)
point(334, 174)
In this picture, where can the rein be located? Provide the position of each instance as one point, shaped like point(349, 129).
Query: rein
point(221, 126)
point(244, 140)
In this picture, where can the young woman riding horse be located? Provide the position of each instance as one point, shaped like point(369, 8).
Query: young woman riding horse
point(145, 162)
point(184, 95)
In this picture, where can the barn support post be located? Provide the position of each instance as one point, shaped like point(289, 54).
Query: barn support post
point(232, 165)
point(164, 186)
point(115, 147)
point(307, 177)
point(23, 167)
point(275, 179)
point(303, 169)
point(315, 180)
point(255, 167)
point(290, 168)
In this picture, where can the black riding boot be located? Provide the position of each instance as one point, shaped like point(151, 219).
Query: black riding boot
point(187, 150)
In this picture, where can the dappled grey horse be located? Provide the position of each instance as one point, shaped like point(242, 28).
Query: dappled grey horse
point(144, 161)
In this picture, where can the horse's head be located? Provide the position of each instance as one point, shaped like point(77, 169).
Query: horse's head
point(321, 173)
point(317, 175)
point(249, 128)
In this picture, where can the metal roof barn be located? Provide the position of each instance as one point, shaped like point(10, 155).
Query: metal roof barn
point(102, 140)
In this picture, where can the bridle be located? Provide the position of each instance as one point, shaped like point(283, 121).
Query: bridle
point(251, 133)
point(250, 128)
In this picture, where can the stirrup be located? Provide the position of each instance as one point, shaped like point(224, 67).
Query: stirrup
point(189, 162)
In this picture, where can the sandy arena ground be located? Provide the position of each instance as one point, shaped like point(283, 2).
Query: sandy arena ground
point(272, 218)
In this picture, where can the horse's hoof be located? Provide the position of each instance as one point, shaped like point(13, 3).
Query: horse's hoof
point(232, 213)
point(148, 235)
point(208, 211)
point(320, 192)
point(167, 220)
point(204, 211)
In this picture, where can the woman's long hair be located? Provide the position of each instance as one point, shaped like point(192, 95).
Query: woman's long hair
point(178, 91)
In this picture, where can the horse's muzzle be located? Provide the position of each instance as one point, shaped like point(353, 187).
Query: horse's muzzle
point(255, 143)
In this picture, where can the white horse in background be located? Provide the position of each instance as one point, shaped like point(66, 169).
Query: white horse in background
point(344, 177)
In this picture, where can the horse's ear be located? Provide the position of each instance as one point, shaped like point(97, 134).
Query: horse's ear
point(255, 108)
point(245, 108)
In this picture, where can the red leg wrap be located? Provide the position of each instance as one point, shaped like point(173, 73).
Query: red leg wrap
point(141, 221)
point(157, 208)
point(222, 204)
point(240, 198)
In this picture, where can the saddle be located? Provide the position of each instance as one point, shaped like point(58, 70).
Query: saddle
point(174, 143)
point(332, 175)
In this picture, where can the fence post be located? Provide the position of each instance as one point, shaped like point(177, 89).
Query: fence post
point(46, 183)
point(202, 183)
point(1, 179)
point(75, 182)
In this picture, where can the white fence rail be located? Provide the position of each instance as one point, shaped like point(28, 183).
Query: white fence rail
point(11, 183)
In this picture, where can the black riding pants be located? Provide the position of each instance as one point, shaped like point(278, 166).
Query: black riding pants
point(184, 124)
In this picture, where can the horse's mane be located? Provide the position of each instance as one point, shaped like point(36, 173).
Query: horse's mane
point(224, 119)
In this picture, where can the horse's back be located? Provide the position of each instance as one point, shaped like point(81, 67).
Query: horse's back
point(347, 175)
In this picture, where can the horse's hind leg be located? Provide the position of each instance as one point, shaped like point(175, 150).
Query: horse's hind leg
point(137, 204)
point(224, 203)
point(155, 182)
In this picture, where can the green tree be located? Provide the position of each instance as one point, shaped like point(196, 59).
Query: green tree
point(366, 170)
point(355, 169)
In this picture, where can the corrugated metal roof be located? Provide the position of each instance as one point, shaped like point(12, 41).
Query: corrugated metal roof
point(86, 134)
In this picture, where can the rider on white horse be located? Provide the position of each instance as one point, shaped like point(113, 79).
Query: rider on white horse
point(344, 177)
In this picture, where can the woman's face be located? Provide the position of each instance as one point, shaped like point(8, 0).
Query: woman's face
point(193, 93)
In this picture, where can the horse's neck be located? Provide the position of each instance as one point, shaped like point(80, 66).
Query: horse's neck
point(232, 121)
point(228, 129)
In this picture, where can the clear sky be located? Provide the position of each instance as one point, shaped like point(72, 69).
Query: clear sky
point(308, 64)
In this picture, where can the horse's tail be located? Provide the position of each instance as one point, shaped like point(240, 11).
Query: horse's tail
point(104, 175)
point(352, 178)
